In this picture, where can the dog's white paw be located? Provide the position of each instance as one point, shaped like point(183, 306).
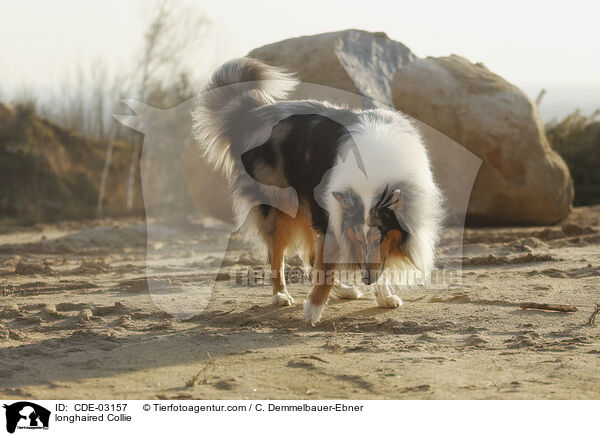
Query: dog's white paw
point(384, 295)
point(346, 292)
point(282, 299)
point(389, 301)
point(312, 312)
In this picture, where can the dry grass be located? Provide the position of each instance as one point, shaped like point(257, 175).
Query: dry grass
point(202, 375)
point(592, 320)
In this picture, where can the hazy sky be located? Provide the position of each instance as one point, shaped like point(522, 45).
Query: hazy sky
point(555, 45)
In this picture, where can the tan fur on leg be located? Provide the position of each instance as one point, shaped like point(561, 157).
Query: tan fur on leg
point(323, 279)
point(278, 242)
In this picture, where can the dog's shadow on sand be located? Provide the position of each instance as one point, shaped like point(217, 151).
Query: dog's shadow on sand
point(94, 350)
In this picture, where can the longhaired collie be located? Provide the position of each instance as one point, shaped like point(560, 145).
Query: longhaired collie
point(351, 189)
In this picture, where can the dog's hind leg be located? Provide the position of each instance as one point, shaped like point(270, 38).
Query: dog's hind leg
point(345, 292)
point(306, 238)
point(279, 239)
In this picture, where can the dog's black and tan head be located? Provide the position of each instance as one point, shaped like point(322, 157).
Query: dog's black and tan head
point(372, 230)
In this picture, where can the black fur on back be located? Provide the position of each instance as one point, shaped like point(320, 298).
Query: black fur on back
point(298, 154)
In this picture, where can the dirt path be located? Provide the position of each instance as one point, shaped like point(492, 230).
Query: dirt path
point(77, 321)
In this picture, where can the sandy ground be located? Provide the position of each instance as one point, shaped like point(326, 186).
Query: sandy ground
point(77, 321)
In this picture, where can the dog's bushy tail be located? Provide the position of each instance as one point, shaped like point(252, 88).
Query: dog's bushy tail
point(236, 88)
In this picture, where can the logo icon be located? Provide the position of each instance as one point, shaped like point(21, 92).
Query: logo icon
point(26, 415)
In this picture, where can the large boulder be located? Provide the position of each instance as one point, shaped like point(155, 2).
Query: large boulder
point(521, 181)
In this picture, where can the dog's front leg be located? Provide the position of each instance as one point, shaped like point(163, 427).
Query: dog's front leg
point(313, 308)
point(323, 278)
point(384, 295)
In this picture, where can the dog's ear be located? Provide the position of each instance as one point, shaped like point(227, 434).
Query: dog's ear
point(344, 198)
point(390, 200)
point(397, 206)
point(396, 200)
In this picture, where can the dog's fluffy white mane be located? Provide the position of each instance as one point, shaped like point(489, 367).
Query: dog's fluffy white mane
point(392, 153)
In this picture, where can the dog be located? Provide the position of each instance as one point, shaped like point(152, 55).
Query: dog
point(352, 189)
